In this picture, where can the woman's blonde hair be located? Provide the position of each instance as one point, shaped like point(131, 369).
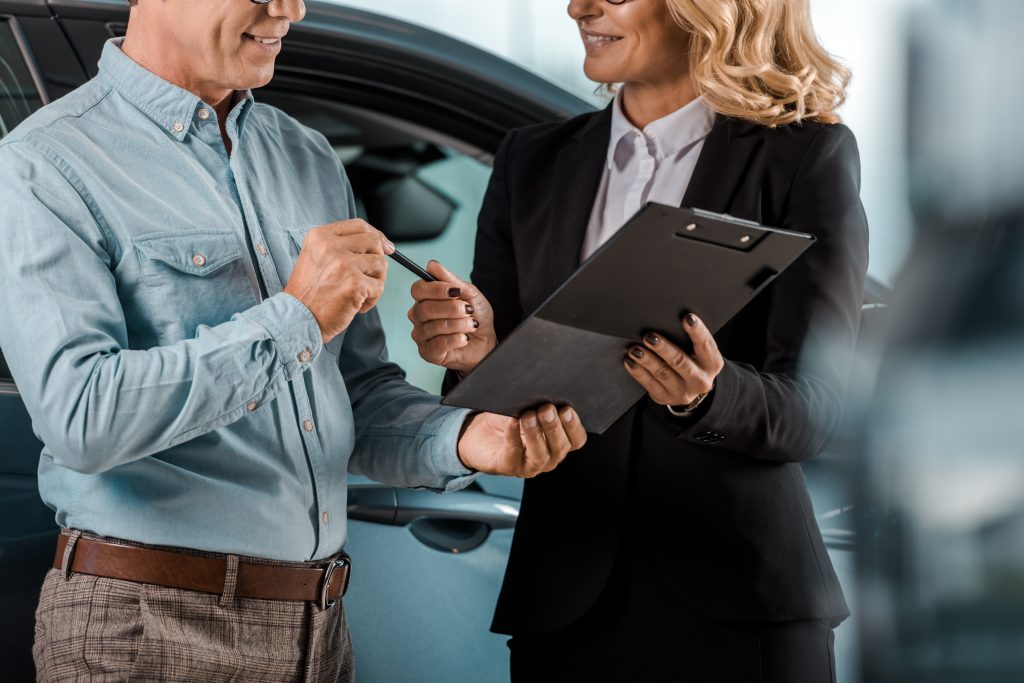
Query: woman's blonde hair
point(759, 60)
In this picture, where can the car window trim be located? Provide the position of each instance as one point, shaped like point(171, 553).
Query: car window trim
point(26, 54)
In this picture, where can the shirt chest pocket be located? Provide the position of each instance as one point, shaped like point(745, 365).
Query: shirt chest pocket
point(193, 279)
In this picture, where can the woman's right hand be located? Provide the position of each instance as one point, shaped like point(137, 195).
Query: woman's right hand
point(452, 322)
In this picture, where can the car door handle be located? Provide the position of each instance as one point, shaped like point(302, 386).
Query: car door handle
point(400, 507)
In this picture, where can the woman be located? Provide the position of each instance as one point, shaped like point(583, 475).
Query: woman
point(680, 544)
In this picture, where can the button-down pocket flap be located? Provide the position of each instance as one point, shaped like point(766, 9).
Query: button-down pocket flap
point(298, 236)
point(196, 254)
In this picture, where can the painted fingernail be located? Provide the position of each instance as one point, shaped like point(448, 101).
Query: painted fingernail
point(691, 320)
point(630, 362)
point(653, 339)
point(476, 324)
point(455, 292)
point(469, 309)
point(467, 339)
point(637, 352)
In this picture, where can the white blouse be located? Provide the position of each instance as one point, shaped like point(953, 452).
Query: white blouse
point(650, 165)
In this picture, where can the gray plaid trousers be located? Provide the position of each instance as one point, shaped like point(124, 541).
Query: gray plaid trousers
point(97, 629)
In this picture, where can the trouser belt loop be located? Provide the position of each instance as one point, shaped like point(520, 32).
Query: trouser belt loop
point(69, 554)
point(227, 596)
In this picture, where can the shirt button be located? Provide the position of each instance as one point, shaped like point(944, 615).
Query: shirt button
point(199, 260)
point(261, 249)
point(178, 126)
point(306, 356)
point(251, 406)
point(203, 114)
point(326, 517)
point(308, 425)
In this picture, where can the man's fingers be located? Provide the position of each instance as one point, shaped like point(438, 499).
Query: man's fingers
point(558, 444)
point(574, 429)
point(364, 243)
point(535, 444)
point(372, 265)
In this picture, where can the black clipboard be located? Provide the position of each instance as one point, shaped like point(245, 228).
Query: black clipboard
point(664, 263)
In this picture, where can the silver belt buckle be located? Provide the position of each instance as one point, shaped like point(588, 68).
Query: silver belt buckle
point(337, 563)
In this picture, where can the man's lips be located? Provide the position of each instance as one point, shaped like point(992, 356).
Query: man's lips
point(263, 40)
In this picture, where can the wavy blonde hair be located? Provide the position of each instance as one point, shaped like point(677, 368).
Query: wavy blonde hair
point(759, 60)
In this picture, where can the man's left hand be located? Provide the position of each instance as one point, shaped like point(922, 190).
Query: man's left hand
point(535, 443)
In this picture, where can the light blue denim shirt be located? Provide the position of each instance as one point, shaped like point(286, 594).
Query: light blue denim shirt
point(178, 405)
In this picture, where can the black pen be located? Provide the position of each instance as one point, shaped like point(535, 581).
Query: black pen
point(412, 267)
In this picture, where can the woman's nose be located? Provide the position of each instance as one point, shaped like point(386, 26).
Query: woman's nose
point(582, 9)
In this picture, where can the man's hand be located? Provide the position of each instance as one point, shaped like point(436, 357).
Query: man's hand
point(535, 443)
point(340, 272)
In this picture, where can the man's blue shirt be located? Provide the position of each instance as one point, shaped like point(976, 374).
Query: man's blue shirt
point(182, 397)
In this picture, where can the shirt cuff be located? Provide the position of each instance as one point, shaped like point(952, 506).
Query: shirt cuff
point(445, 455)
point(294, 330)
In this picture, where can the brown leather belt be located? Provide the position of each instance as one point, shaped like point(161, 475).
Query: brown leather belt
point(324, 585)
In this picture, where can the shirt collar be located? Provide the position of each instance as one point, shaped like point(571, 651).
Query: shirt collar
point(170, 107)
point(668, 135)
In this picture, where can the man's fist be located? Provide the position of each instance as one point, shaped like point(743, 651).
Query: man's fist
point(340, 272)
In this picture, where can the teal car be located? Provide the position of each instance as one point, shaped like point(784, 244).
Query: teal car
point(416, 117)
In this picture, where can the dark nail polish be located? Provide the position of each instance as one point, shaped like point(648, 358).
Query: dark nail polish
point(653, 339)
point(468, 339)
point(630, 362)
point(691, 320)
point(476, 324)
point(454, 292)
point(469, 310)
point(637, 352)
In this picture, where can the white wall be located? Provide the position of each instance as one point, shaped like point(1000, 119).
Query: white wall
point(867, 35)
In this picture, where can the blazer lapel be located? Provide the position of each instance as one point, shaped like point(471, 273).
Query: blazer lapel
point(578, 171)
point(721, 164)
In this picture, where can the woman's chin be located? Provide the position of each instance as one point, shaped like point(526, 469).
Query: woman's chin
point(600, 73)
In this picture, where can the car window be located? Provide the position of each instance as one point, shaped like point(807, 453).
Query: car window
point(407, 181)
point(19, 97)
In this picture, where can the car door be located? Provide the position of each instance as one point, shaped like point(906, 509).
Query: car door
point(36, 65)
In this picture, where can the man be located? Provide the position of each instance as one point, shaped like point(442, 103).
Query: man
point(202, 365)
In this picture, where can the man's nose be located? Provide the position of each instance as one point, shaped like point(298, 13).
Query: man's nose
point(292, 10)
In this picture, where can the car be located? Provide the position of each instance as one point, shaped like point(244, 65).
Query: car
point(416, 117)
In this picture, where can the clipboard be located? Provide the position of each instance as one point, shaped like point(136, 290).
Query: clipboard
point(664, 263)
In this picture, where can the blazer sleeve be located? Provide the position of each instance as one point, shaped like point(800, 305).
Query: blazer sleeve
point(494, 259)
point(785, 410)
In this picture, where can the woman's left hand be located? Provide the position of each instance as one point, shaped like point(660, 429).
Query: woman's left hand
point(671, 376)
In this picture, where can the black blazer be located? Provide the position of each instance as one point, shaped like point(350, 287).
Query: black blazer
point(720, 497)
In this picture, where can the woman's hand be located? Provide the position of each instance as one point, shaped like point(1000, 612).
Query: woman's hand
point(671, 376)
point(452, 322)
